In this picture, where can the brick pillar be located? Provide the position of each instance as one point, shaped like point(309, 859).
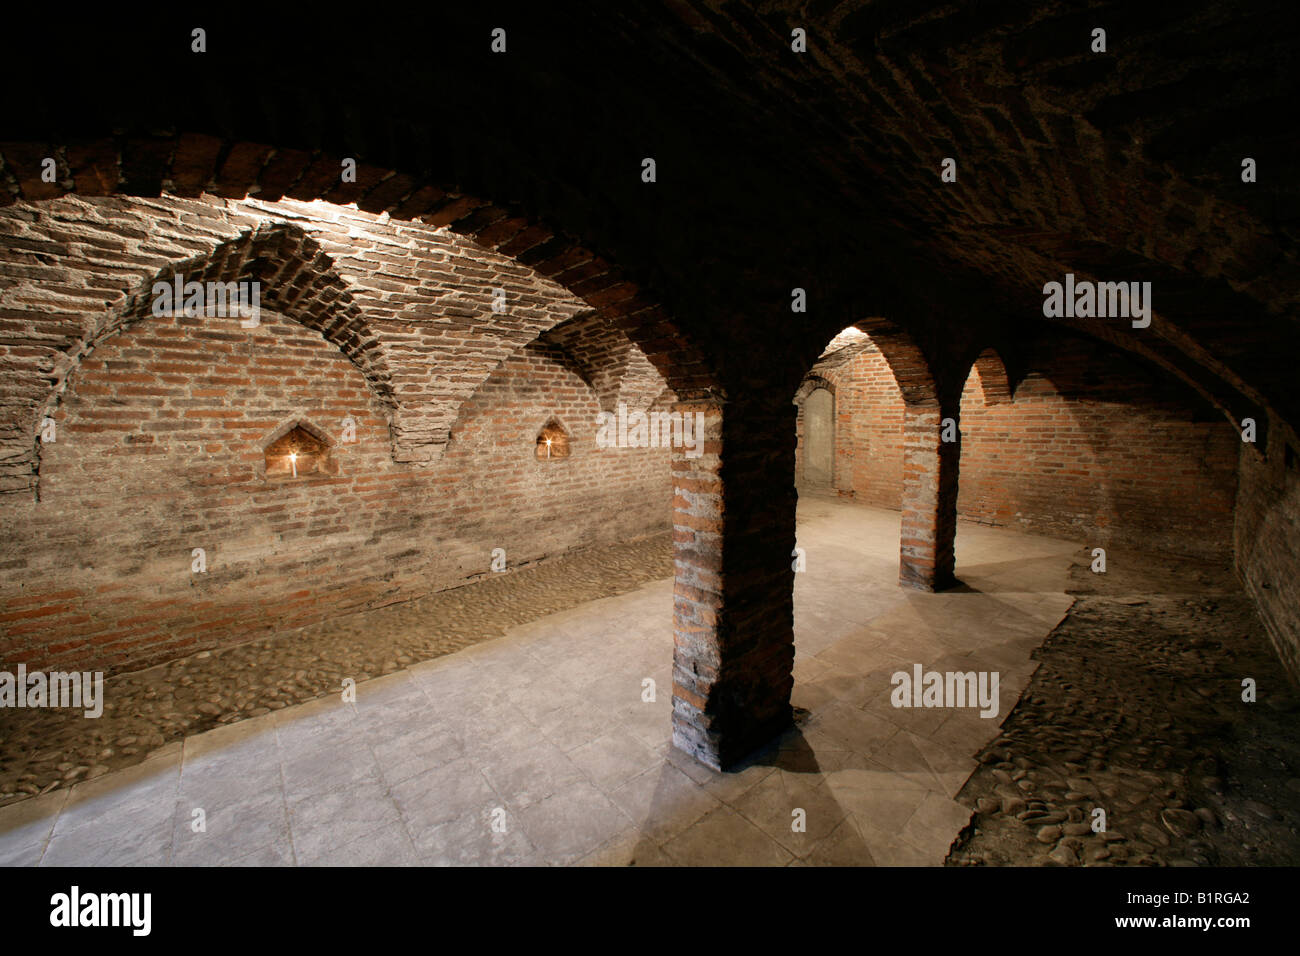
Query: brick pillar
point(733, 616)
point(929, 526)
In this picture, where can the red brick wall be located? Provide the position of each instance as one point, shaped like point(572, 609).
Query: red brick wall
point(868, 430)
point(1093, 448)
point(1266, 540)
point(159, 450)
point(413, 304)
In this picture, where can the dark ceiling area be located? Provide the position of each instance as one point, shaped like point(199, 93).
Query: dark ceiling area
point(778, 169)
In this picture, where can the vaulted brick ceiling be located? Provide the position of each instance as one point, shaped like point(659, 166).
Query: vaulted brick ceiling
point(778, 170)
point(607, 360)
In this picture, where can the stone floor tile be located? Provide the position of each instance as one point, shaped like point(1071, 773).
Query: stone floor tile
point(843, 846)
point(30, 822)
point(401, 756)
point(230, 831)
point(629, 848)
point(614, 759)
point(725, 838)
point(572, 823)
point(663, 801)
point(473, 840)
point(443, 794)
point(320, 823)
point(529, 775)
point(387, 846)
point(771, 807)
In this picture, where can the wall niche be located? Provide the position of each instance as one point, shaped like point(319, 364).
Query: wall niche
point(552, 441)
point(299, 450)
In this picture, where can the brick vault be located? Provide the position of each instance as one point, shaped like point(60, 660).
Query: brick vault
point(449, 274)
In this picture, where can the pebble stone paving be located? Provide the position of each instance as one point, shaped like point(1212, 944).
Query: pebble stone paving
point(1137, 708)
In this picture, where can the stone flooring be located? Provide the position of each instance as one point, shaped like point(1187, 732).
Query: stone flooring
point(44, 750)
point(539, 747)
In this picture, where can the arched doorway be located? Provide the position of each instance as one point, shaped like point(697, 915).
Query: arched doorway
point(819, 439)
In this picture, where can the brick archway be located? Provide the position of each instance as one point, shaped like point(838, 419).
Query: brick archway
point(906, 360)
point(188, 165)
point(930, 464)
point(284, 260)
point(732, 664)
point(810, 384)
point(993, 379)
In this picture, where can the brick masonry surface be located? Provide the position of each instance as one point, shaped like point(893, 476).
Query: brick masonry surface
point(1092, 448)
point(161, 425)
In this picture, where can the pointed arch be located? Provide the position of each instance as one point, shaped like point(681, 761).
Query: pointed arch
point(197, 163)
point(906, 360)
point(553, 440)
point(298, 282)
point(992, 373)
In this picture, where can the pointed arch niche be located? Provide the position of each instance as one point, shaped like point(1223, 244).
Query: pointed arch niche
point(553, 441)
point(298, 449)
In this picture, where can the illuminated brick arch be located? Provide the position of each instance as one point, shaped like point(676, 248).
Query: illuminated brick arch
point(993, 379)
point(929, 488)
point(190, 164)
point(297, 282)
point(905, 358)
point(810, 384)
point(718, 714)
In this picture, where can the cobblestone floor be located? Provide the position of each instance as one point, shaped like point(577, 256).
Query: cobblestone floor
point(43, 750)
point(1137, 709)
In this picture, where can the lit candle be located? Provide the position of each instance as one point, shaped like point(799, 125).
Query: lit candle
point(548, 448)
point(293, 462)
